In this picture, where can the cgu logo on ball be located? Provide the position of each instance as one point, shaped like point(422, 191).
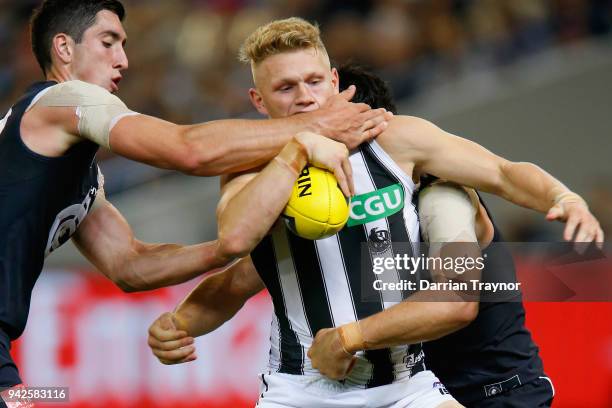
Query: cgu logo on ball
point(376, 205)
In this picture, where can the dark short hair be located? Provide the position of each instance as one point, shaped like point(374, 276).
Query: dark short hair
point(71, 17)
point(371, 89)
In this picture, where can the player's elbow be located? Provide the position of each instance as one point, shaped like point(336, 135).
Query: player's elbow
point(232, 245)
point(126, 277)
point(125, 286)
point(199, 158)
point(465, 313)
point(122, 279)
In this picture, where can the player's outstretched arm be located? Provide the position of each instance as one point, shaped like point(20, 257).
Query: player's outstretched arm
point(107, 240)
point(251, 203)
point(73, 110)
point(450, 157)
point(215, 300)
point(447, 215)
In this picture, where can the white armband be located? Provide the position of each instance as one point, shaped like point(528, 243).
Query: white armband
point(447, 213)
point(98, 110)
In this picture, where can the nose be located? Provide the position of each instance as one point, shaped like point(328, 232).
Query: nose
point(305, 97)
point(121, 60)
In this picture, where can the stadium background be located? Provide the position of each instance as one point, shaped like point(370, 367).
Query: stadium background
point(529, 79)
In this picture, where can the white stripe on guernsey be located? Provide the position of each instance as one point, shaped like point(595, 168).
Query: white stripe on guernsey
point(410, 214)
point(275, 344)
point(336, 282)
point(290, 286)
point(392, 165)
point(364, 183)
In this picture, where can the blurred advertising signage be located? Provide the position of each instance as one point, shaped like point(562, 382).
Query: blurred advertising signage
point(85, 334)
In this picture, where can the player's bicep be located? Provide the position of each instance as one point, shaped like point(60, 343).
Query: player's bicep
point(104, 237)
point(154, 141)
point(457, 159)
point(231, 185)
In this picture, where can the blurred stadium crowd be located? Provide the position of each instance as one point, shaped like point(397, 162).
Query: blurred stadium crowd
point(183, 53)
point(183, 64)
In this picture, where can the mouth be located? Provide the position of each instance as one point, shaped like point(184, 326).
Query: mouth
point(115, 83)
point(311, 108)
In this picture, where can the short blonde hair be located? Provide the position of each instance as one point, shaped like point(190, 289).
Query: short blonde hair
point(280, 36)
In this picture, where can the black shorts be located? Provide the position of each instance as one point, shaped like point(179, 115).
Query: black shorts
point(9, 376)
point(534, 394)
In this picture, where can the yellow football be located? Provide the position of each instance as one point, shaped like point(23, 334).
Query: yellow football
point(317, 208)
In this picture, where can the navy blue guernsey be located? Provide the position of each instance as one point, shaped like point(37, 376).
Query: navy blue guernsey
point(42, 202)
point(495, 347)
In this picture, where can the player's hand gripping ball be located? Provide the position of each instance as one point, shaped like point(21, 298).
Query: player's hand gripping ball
point(317, 208)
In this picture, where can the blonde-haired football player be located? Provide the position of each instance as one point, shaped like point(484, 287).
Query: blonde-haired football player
point(334, 342)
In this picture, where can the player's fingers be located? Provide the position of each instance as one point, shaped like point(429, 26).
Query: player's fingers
point(375, 132)
point(348, 93)
point(169, 345)
point(342, 181)
point(166, 321)
point(350, 366)
point(555, 212)
point(348, 171)
point(189, 358)
point(375, 120)
point(570, 228)
point(599, 238)
point(371, 118)
point(174, 355)
point(166, 335)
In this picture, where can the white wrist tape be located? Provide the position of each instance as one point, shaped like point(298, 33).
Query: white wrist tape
point(98, 110)
point(447, 213)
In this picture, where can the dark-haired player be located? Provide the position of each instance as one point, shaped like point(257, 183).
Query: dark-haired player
point(493, 361)
point(51, 188)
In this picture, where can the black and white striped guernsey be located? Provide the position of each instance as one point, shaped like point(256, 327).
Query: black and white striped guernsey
point(321, 284)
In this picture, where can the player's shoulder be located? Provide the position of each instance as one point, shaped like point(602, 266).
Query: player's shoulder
point(76, 92)
point(78, 86)
point(406, 130)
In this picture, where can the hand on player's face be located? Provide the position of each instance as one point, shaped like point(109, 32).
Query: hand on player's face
point(329, 357)
point(330, 155)
point(581, 225)
point(302, 81)
point(168, 344)
point(352, 123)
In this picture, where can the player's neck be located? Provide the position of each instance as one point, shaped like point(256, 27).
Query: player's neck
point(58, 74)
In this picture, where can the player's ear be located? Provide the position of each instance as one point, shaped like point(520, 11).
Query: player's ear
point(335, 80)
point(257, 101)
point(62, 46)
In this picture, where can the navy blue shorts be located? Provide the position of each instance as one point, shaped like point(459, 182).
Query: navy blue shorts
point(9, 376)
point(534, 394)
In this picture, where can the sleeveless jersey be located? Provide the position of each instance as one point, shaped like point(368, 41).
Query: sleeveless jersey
point(329, 282)
point(495, 347)
point(42, 202)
